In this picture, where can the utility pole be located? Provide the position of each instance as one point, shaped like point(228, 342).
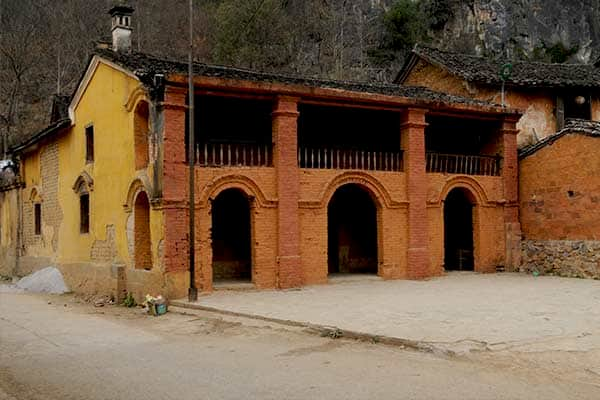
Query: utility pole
point(193, 291)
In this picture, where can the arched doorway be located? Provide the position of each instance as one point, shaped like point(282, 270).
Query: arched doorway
point(458, 231)
point(352, 231)
point(231, 237)
point(142, 239)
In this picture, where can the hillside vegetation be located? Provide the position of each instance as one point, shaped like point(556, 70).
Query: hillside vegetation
point(45, 44)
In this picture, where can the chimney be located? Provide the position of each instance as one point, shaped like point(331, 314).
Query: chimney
point(121, 28)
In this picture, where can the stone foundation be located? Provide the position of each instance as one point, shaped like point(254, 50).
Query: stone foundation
point(568, 258)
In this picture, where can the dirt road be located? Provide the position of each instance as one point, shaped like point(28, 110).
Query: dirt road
point(72, 350)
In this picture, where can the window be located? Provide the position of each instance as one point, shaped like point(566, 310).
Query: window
point(37, 215)
point(89, 144)
point(84, 213)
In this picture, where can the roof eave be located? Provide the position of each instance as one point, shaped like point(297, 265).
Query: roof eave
point(47, 132)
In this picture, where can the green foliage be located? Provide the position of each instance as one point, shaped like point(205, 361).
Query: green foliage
point(129, 301)
point(405, 24)
point(251, 33)
point(557, 53)
point(409, 22)
point(438, 12)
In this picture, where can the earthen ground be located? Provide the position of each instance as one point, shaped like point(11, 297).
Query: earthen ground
point(458, 313)
point(57, 347)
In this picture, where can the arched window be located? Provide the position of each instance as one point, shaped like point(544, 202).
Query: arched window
point(36, 207)
point(84, 184)
point(142, 236)
point(140, 131)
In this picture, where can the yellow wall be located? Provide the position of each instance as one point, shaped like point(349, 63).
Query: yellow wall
point(104, 104)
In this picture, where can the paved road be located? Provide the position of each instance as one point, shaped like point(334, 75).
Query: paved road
point(67, 350)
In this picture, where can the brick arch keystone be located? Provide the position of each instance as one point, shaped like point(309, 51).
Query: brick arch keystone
point(35, 195)
point(240, 182)
point(376, 189)
point(83, 180)
point(464, 182)
point(135, 97)
point(141, 183)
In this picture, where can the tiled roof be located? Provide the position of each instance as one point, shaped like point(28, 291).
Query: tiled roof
point(484, 70)
point(146, 66)
point(579, 126)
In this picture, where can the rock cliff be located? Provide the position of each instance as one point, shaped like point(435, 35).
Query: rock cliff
point(534, 29)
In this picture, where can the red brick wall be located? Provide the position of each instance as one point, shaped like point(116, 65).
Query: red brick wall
point(413, 144)
point(289, 208)
point(488, 219)
point(285, 141)
point(560, 190)
point(560, 208)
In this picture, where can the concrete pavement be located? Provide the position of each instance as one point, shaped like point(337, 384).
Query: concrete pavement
point(460, 312)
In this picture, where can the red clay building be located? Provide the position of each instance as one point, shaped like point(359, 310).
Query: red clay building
point(299, 179)
point(560, 197)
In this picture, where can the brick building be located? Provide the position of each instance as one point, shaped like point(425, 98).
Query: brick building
point(296, 179)
point(547, 94)
point(559, 201)
point(557, 167)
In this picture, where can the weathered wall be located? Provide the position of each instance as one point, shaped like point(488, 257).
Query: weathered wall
point(569, 258)
point(559, 198)
point(538, 106)
point(8, 231)
point(91, 261)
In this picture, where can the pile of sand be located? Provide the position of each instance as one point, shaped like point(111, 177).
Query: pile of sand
point(47, 280)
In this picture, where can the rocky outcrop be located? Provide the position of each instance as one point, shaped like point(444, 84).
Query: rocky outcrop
point(568, 258)
point(520, 28)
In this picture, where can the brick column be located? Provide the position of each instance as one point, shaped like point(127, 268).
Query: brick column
point(413, 144)
point(510, 178)
point(285, 156)
point(175, 181)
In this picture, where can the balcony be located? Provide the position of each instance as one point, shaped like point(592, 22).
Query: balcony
point(328, 158)
point(463, 164)
point(234, 155)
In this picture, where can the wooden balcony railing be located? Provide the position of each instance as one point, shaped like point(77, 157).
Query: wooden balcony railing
point(324, 158)
point(234, 155)
point(463, 164)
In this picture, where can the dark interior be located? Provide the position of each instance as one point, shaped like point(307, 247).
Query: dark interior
point(453, 135)
point(231, 236)
point(348, 128)
point(352, 232)
point(458, 231)
point(221, 119)
point(577, 105)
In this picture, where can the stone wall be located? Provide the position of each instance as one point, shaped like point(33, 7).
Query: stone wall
point(568, 258)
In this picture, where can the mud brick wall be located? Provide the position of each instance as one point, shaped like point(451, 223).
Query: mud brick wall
point(560, 207)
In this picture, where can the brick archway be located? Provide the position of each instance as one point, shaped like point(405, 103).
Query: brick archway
point(231, 236)
point(461, 220)
point(370, 184)
point(353, 240)
point(142, 236)
point(459, 229)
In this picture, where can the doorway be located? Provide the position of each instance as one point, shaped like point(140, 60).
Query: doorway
point(458, 231)
point(231, 237)
point(352, 232)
